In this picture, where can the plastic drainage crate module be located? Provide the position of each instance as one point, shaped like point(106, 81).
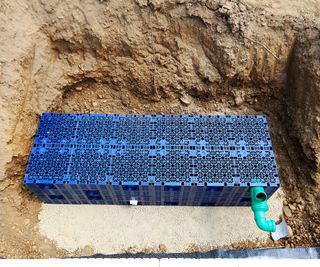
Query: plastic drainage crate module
point(151, 159)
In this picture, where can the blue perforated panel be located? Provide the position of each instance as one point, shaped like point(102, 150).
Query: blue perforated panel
point(155, 159)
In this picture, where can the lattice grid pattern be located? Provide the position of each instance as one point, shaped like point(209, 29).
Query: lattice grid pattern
point(155, 159)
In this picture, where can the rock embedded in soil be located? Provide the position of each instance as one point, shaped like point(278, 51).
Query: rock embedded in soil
point(287, 212)
point(185, 99)
point(238, 99)
point(162, 248)
point(299, 200)
point(290, 232)
point(292, 207)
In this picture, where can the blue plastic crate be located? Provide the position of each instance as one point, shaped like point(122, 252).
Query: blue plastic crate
point(155, 159)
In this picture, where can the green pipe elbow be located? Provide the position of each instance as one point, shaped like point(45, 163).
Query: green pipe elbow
point(259, 207)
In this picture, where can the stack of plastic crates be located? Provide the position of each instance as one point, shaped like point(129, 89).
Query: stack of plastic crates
point(151, 159)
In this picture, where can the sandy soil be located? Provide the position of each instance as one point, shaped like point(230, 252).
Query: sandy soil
point(156, 56)
point(117, 229)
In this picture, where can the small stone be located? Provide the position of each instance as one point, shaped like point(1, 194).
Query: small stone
point(287, 211)
point(148, 250)
point(300, 207)
point(238, 100)
point(94, 104)
point(299, 200)
point(292, 207)
point(86, 105)
point(242, 7)
point(185, 99)
point(162, 248)
point(141, 3)
point(124, 100)
point(100, 96)
point(228, 6)
point(290, 232)
point(219, 29)
point(79, 88)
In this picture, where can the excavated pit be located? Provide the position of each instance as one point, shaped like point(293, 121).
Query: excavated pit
point(176, 57)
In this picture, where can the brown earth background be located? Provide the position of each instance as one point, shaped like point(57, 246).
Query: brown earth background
point(153, 56)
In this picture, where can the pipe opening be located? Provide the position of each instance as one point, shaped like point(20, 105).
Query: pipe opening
point(261, 197)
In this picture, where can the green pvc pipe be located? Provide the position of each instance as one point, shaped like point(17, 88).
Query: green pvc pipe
point(259, 207)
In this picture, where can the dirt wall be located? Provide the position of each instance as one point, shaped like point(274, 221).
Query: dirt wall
point(303, 96)
point(163, 57)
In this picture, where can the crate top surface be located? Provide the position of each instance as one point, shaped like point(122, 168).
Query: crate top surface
point(135, 149)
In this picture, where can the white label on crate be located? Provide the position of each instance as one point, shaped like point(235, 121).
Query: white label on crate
point(133, 202)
